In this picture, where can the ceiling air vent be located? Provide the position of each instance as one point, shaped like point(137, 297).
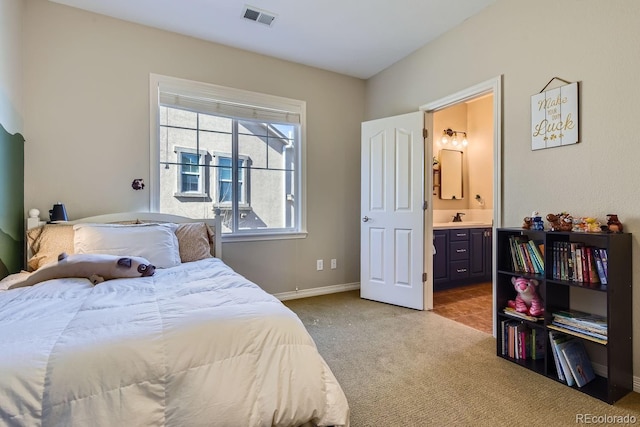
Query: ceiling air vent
point(257, 15)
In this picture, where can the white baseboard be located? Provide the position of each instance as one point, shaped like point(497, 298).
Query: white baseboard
point(313, 292)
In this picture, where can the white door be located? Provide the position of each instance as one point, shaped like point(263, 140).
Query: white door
point(392, 217)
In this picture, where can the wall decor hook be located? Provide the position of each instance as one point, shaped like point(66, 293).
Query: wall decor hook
point(138, 184)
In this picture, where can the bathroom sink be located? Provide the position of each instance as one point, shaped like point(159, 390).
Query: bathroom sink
point(463, 224)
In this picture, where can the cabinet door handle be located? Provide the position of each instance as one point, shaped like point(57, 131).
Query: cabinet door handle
point(461, 270)
point(461, 250)
point(461, 234)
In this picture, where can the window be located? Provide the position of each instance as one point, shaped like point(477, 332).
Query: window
point(216, 149)
point(191, 176)
point(225, 183)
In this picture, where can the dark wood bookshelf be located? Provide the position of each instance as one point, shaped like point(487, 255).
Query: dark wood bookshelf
point(560, 294)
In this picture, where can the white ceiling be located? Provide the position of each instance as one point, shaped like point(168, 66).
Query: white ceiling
point(356, 38)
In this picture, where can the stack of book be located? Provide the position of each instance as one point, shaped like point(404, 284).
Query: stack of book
point(585, 325)
point(576, 262)
point(526, 255)
point(512, 312)
point(521, 342)
point(572, 362)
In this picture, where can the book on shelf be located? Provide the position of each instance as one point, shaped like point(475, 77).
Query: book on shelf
point(585, 265)
point(553, 336)
point(504, 324)
point(578, 276)
point(581, 319)
point(520, 342)
point(578, 330)
point(599, 266)
point(558, 341)
point(574, 261)
point(576, 333)
point(536, 256)
point(538, 344)
point(605, 261)
point(515, 260)
point(526, 256)
point(578, 362)
point(512, 312)
point(593, 272)
point(574, 321)
point(578, 263)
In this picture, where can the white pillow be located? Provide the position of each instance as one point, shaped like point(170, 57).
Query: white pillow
point(156, 242)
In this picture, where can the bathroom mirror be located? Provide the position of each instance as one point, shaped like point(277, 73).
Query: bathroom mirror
point(451, 174)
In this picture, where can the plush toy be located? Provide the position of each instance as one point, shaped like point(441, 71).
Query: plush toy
point(95, 267)
point(560, 222)
point(527, 301)
point(613, 223)
point(527, 223)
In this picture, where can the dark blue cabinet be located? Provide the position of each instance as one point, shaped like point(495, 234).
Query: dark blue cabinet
point(463, 256)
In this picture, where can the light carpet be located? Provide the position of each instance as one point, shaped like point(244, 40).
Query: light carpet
point(402, 367)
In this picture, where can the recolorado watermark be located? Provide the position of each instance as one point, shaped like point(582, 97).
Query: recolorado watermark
point(605, 419)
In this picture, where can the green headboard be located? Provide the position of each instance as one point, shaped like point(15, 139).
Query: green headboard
point(11, 202)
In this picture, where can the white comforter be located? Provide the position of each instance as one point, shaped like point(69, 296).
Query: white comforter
point(194, 345)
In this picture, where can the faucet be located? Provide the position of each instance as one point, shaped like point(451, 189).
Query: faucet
point(457, 217)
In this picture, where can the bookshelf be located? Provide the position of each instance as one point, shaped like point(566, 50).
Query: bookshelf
point(564, 290)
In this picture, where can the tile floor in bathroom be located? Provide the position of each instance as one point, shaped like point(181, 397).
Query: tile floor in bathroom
point(470, 305)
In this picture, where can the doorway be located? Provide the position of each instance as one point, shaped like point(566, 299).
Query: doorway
point(472, 116)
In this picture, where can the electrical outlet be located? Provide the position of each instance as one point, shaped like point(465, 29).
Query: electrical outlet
point(334, 264)
point(319, 265)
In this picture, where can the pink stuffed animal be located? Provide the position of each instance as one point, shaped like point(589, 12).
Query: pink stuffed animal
point(528, 301)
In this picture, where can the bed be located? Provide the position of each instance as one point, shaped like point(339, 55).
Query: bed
point(194, 344)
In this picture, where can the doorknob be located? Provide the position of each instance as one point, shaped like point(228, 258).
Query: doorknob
point(365, 219)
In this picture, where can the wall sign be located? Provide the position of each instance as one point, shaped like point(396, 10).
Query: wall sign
point(554, 116)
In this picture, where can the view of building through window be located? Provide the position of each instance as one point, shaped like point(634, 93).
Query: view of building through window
point(198, 173)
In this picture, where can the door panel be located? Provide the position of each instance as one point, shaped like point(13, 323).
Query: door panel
point(377, 172)
point(403, 257)
point(376, 241)
point(403, 167)
point(392, 227)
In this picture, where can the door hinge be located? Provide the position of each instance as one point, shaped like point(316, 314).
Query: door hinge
point(425, 133)
point(424, 277)
point(425, 205)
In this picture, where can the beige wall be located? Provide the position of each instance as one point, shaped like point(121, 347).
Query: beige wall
point(87, 122)
point(480, 152)
point(476, 118)
point(455, 118)
point(528, 43)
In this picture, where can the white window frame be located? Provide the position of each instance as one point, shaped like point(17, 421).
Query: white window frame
point(241, 100)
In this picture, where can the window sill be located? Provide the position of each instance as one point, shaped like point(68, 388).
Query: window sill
point(254, 237)
point(195, 195)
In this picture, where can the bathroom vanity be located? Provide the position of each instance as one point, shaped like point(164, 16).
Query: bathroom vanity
point(462, 254)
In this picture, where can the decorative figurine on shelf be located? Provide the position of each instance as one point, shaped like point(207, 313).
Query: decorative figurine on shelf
point(613, 223)
point(533, 222)
point(560, 222)
point(527, 301)
point(586, 225)
point(538, 224)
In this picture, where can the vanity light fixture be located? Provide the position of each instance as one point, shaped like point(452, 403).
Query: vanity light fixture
point(453, 135)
